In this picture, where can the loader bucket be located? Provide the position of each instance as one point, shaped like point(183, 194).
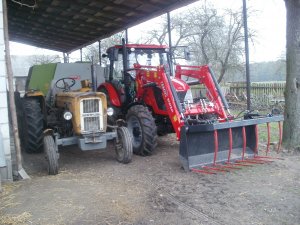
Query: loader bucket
point(221, 143)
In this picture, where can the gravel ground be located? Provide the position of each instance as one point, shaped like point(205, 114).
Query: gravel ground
point(92, 188)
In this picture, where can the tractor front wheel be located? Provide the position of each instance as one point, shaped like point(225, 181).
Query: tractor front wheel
point(142, 127)
point(52, 154)
point(123, 145)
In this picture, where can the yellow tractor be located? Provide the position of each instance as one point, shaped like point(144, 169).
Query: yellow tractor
point(60, 115)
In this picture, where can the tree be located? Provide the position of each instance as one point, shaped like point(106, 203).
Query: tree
point(93, 49)
point(214, 38)
point(43, 59)
point(291, 125)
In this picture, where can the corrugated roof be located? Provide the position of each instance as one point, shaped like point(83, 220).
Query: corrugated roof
point(68, 25)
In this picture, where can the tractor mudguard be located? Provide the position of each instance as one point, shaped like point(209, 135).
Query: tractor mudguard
point(112, 94)
point(219, 143)
point(38, 95)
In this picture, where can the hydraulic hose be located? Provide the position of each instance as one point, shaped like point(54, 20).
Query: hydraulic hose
point(223, 99)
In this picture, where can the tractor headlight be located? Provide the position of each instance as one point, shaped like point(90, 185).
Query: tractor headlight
point(110, 111)
point(67, 115)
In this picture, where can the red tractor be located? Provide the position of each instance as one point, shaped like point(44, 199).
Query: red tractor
point(154, 96)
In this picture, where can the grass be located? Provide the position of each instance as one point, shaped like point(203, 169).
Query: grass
point(8, 201)
point(263, 132)
point(23, 218)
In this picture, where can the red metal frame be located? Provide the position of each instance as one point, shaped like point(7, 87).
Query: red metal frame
point(244, 142)
point(269, 139)
point(150, 74)
point(202, 74)
point(280, 137)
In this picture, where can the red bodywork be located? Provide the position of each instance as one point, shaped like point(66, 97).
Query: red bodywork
point(157, 75)
point(112, 93)
point(146, 76)
point(204, 77)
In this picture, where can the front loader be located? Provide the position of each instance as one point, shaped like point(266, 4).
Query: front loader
point(155, 98)
point(60, 108)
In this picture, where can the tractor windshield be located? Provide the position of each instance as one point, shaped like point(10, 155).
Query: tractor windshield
point(147, 57)
point(142, 56)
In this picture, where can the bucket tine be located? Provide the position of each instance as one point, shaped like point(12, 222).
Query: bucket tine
point(242, 163)
point(280, 136)
point(237, 162)
point(216, 146)
point(202, 171)
point(256, 141)
point(244, 142)
point(250, 161)
point(229, 166)
point(230, 144)
point(268, 157)
point(215, 169)
point(269, 137)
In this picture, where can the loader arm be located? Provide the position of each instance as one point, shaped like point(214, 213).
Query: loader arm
point(150, 76)
point(204, 76)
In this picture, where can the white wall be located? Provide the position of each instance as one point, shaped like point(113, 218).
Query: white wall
point(6, 172)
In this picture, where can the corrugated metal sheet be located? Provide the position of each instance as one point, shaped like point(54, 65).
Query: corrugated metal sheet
point(68, 25)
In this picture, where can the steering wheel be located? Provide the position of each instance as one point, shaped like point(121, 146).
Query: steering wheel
point(67, 82)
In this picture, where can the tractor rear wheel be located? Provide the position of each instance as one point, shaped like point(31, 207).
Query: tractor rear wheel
point(123, 145)
point(33, 126)
point(52, 155)
point(142, 127)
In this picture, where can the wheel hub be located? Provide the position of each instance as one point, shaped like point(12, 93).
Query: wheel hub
point(134, 127)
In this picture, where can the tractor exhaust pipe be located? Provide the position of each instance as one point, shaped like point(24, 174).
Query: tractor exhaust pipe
point(93, 75)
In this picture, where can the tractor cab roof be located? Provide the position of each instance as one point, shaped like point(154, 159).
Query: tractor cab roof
point(139, 46)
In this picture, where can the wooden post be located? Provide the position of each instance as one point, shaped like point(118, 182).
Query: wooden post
point(247, 55)
point(21, 172)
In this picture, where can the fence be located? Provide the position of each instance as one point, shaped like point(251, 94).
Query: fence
point(262, 93)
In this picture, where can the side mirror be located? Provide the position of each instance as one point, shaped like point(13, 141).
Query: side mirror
point(116, 53)
point(187, 54)
point(112, 54)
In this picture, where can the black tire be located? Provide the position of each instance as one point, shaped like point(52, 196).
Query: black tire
point(52, 154)
point(123, 145)
point(33, 126)
point(142, 127)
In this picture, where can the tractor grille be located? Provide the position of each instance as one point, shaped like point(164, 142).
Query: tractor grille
point(91, 115)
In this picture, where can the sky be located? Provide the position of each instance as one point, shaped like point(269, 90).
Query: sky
point(269, 22)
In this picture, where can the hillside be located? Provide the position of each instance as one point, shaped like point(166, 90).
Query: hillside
point(262, 71)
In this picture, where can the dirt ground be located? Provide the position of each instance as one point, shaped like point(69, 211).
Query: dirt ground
point(92, 188)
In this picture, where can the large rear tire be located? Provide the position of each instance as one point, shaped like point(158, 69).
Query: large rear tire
point(33, 126)
point(142, 127)
point(123, 145)
point(52, 155)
